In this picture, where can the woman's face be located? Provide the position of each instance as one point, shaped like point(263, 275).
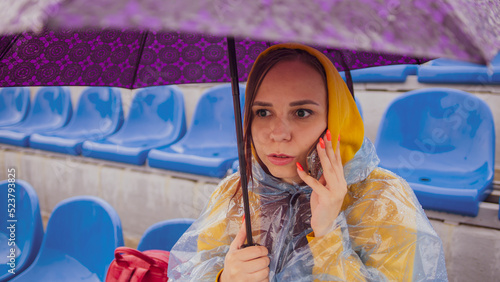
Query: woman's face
point(290, 113)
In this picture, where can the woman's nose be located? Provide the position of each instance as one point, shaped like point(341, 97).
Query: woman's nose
point(280, 131)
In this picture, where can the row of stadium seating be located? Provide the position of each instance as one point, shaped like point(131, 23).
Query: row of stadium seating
point(442, 141)
point(79, 242)
point(97, 129)
point(439, 71)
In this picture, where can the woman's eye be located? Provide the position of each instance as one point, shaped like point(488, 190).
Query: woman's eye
point(303, 113)
point(262, 113)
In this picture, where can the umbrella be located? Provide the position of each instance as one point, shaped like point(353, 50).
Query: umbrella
point(461, 29)
point(132, 59)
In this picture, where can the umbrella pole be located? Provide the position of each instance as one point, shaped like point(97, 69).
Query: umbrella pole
point(347, 71)
point(233, 68)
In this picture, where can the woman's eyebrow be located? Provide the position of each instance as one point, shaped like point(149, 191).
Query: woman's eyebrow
point(262, 104)
point(303, 102)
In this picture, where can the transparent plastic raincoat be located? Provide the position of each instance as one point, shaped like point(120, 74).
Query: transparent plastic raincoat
point(381, 233)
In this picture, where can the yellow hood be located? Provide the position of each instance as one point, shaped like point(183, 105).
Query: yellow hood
point(343, 115)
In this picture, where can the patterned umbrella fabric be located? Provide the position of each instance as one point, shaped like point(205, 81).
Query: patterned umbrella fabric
point(459, 29)
point(135, 59)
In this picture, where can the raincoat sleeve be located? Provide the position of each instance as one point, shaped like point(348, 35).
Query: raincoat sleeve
point(382, 234)
point(199, 254)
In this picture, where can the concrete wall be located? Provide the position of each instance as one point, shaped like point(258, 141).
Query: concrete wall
point(471, 253)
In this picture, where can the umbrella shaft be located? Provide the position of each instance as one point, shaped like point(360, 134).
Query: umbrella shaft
point(233, 68)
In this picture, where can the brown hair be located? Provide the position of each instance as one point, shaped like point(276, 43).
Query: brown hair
point(259, 71)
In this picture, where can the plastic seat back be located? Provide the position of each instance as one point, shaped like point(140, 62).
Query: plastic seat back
point(20, 210)
point(444, 70)
point(495, 77)
point(164, 235)
point(213, 120)
point(14, 105)
point(156, 114)
point(391, 73)
point(52, 109)
point(209, 147)
point(440, 131)
point(83, 228)
point(443, 62)
point(99, 113)
point(360, 109)
point(236, 166)
point(496, 60)
point(442, 141)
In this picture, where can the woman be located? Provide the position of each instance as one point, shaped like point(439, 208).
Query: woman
point(349, 220)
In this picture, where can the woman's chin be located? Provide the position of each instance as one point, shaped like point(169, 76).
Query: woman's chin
point(286, 175)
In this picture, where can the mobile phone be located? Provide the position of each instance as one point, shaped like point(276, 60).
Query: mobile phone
point(313, 162)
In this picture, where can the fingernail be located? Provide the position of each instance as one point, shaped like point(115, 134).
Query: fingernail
point(328, 135)
point(339, 137)
point(243, 220)
point(321, 143)
point(299, 166)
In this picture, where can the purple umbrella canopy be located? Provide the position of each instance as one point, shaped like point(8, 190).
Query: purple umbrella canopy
point(458, 29)
point(135, 59)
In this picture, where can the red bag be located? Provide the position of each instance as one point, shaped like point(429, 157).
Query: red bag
point(136, 266)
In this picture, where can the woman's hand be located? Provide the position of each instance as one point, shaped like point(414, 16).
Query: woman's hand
point(248, 264)
point(329, 191)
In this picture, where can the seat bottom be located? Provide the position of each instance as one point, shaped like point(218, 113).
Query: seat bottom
point(216, 166)
point(56, 144)
point(56, 266)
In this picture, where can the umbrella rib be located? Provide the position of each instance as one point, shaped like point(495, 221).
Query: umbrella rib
point(12, 42)
point(142, 46)
point(347, 71)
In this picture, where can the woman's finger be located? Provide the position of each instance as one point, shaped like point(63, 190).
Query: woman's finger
point(327, 164)
point(322, 180)
point(340, 167)
point(257, 264)
point(328, 147)
point(334, 155)
point(261, 275)
point(251, 253)
point(239, 240)
point(317, 187)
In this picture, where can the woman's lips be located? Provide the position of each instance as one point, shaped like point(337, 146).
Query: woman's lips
point(280, 159)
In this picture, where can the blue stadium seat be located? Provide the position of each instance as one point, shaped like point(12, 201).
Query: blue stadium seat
point(442, 141)
point(392, 73)
point(28, 227)
point(156, 118)
point(209, 146)
point(459, 72)
point(360, 109)
point(98, 115)
point(163, 235)
point(495, 77)
point(14, 105)
point(236, 166)
point(79, 245)
point(51, 110)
